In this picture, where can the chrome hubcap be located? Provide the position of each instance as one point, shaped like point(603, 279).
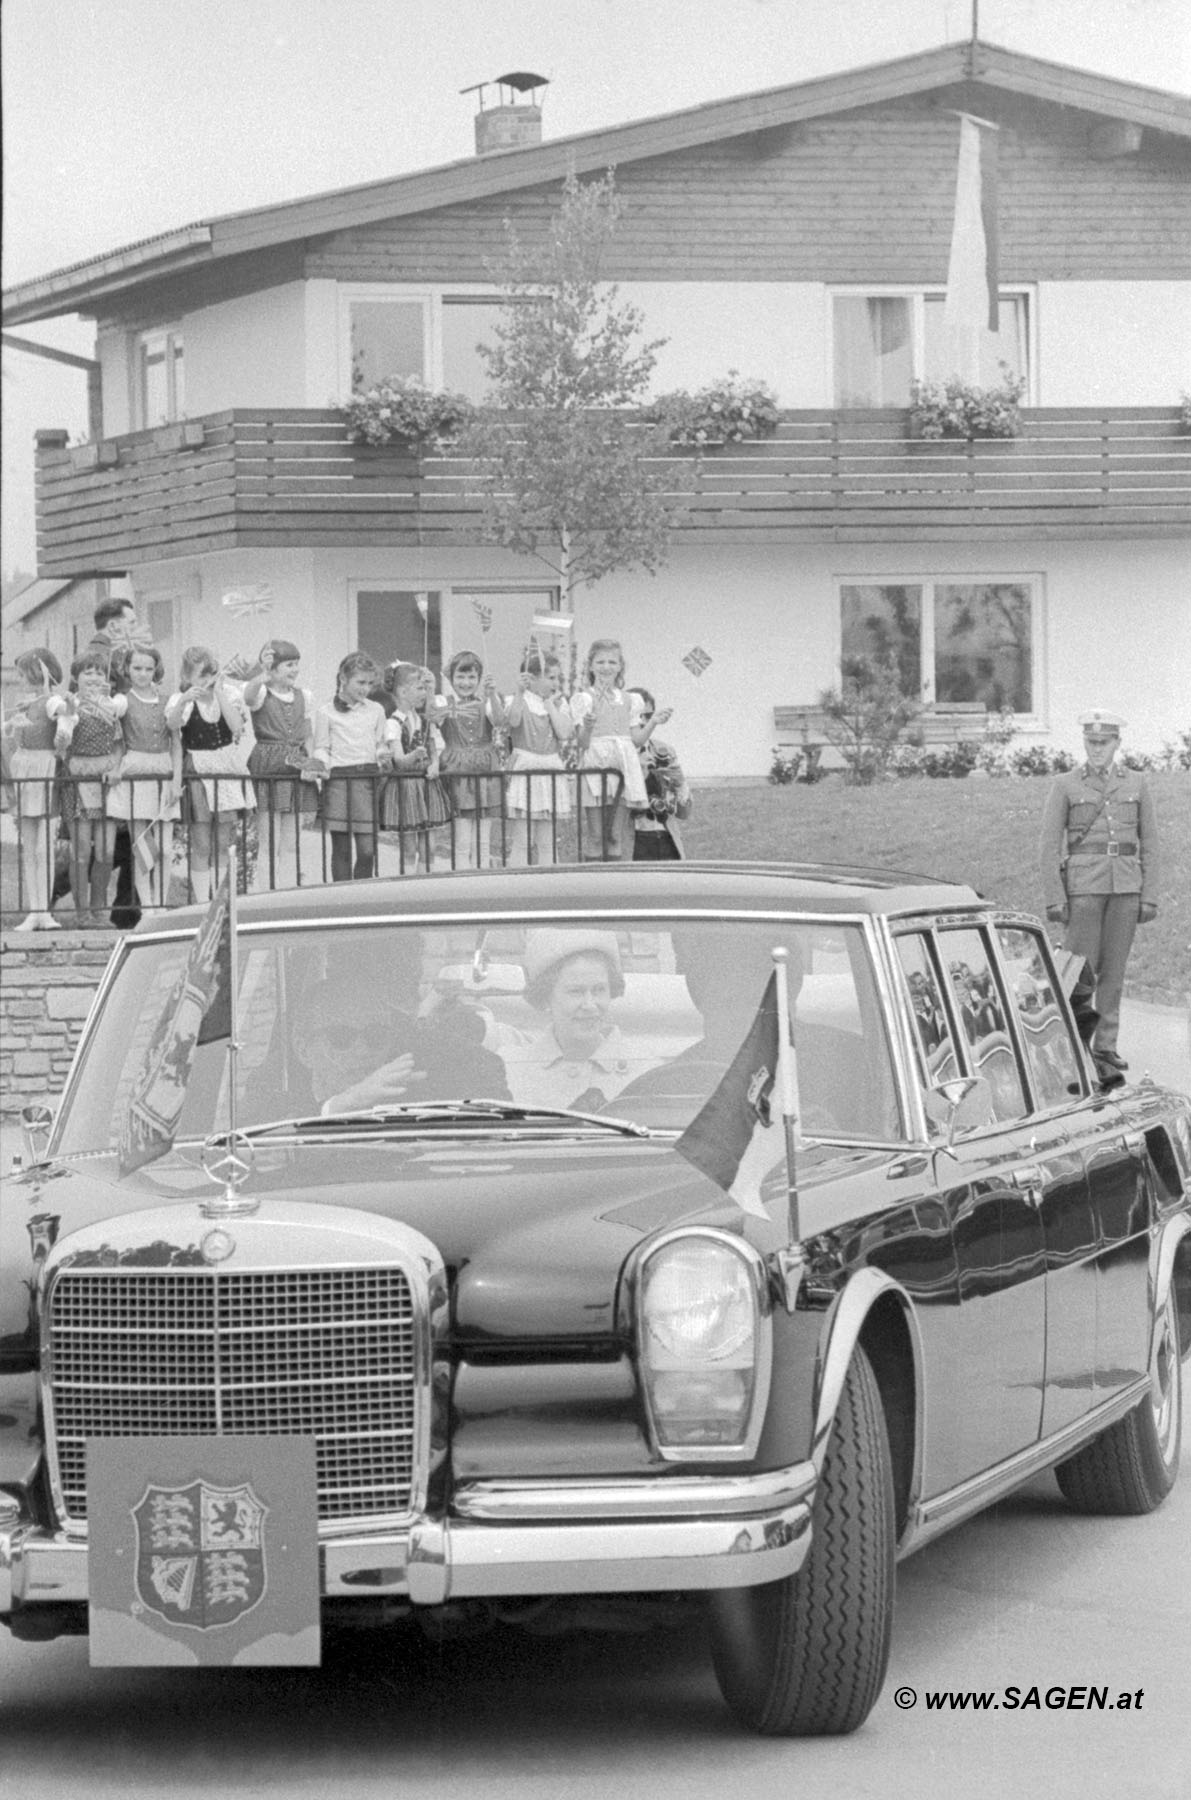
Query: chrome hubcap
point(1164, 1381)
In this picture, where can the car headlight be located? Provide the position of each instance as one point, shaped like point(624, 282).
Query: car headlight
point(704, 1347)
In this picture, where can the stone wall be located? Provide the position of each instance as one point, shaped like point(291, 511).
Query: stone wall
point(47, 982)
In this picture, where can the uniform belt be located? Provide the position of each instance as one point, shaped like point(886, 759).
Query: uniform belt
point(1111, 849)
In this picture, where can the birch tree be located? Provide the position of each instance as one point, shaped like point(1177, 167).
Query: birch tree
point(565, 472)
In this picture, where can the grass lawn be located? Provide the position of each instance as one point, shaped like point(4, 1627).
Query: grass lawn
point(981, 832)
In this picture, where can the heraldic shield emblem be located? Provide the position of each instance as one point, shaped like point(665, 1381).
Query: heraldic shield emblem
point(200, 1553)
point(203, 1550)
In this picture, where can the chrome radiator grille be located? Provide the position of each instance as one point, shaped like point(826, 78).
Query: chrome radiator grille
point(325, 1353)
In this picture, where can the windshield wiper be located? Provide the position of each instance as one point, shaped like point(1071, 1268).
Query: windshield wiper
point(430, 1111)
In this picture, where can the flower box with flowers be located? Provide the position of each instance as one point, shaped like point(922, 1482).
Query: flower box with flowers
point(957, 410)
point(723, 412)
point(403, 412)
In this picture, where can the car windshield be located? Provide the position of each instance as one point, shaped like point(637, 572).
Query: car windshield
point(631, 1019)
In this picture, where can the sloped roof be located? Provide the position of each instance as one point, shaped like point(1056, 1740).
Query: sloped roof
point(480, 177)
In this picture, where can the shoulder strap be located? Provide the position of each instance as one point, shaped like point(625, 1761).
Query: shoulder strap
point(1074, 843)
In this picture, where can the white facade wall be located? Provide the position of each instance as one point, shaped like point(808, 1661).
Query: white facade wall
point(1113, 343)
point(247, 352)
point(1115, 629)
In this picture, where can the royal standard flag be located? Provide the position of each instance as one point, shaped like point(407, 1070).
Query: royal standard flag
point(198, 1010)
point(735, 1137)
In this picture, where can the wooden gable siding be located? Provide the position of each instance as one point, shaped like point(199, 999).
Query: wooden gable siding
point(860, 197)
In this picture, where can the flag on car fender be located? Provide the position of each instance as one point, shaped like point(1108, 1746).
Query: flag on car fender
point(197, 1011)
point(736, 1137)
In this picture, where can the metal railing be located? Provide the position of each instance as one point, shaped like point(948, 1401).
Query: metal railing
point(79, 862)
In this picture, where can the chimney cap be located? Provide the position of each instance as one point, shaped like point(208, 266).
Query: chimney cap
point(521, 81)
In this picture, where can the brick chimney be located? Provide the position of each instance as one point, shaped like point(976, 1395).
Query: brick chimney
point(512, 124)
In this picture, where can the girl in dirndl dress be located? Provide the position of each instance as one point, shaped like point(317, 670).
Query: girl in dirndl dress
point(469, 760)
point(349, 742)
point(212, 719)
point(34, 767)
point(150, 784)
point(608, 721)
point(89, 735)
point(416, 801)
point(283, 721)
point(540, 725)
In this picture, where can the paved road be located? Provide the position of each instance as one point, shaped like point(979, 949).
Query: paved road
point(1028, 1594)
point(1157, 1038)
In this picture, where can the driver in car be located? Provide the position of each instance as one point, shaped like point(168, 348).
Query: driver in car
point(338, 1035)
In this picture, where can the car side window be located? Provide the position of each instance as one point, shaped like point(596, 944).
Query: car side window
point(933, 1045)
point(981, 1010)
point(1050, 1051)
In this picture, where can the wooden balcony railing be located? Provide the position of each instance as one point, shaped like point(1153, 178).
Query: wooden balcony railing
point(285, 477)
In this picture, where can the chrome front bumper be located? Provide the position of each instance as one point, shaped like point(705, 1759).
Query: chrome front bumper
point(511, 1538)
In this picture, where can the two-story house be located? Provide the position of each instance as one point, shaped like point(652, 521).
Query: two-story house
point(800, 236)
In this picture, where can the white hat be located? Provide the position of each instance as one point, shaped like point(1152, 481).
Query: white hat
point(547, 948)
point(1101, 720)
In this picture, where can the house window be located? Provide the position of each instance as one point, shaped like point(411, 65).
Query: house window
point(955, 640)
point(159, 391)
point(466, 323)
point(387, 337)
point(430, 336)
point(882, 342)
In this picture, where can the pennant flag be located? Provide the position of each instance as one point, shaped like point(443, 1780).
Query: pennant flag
point(483, 613)
point(971, 305)
point(142, 849)
point(735, 1138)
point(217, 1020)
point(142, 844)
point(553, 621)
point(148, 1127)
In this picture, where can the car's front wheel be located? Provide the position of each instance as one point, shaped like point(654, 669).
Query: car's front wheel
point(806, 1656)
point(1131, 1467)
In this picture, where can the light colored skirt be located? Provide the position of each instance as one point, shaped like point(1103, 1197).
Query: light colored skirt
point(203, 801)
point(539, 796)
point(35, 770)
point(143, 799)
point(614, 753)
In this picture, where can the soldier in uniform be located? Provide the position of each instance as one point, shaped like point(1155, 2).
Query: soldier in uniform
point(1100, 867)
